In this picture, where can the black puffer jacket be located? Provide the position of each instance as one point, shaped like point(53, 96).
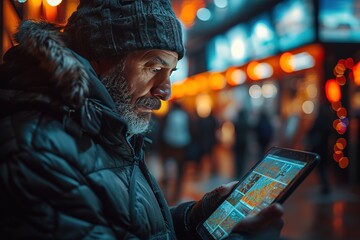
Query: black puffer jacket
point(67, 171)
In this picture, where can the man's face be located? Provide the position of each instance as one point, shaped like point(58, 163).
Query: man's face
point(138, 83)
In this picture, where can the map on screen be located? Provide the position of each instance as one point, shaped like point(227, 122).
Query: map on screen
point(258, 190)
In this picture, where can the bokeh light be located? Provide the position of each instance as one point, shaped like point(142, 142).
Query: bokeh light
point(203, 14)
point(332, 90)
point(356, 73)
point(341, 112)
point(203, 105)
point(217, 81)
point(202, 82)
point(341, 143)
point(344, 162)
point(341, 80)
point(163, 109)
point(339, 69)
point(336, 105)
point(191, 87)
point(255, 91)
point(221, 3)
point(308, 107)
point(285, 62)
point(235, 76)
point(311, 90)
point(53, 3)
point(349, 63)
point(340, 128)
point(338, 155)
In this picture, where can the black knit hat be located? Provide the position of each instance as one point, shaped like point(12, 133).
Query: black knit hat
point(104, 28)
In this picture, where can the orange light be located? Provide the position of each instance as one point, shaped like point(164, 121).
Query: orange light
point(203, 105)
point(217, 81)
point(336, 122)
point(341, 143)
point(202, 82)
point(339, 69)
point(336, 148)
point(191, 87)
point(332, 89)
point(177, 91)
point(50, 12)
point(188, 11)
point(33, 9)
point(188, 14)
point(163, 109)
point(356, 71)
point(285, 62)
point(234, 76)
point(251, 70)
point(344, 162)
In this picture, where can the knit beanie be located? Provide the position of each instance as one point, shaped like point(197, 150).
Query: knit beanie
point(105, 28)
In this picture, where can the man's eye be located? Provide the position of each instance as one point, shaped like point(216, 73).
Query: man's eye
point(155, 70)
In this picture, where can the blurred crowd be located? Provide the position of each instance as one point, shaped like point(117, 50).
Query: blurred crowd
point(189, 146)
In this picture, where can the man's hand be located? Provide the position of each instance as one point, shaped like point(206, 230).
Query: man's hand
point(203, 208)
point(266, 224)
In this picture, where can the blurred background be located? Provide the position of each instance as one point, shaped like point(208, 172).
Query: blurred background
point(256, 74)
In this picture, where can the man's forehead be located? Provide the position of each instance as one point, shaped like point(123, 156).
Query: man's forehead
point(169, 57)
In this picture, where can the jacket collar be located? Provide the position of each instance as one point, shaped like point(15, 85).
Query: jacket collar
point(59, 78)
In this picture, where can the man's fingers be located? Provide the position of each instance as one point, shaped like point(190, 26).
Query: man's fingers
point(267, 218)
point(227, 188)
point(274, 211)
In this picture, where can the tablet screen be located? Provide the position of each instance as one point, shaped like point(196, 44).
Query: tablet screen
point(259, 189)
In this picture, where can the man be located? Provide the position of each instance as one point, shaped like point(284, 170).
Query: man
point(75, 105)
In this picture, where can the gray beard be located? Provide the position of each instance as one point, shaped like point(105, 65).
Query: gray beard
point(118, 89)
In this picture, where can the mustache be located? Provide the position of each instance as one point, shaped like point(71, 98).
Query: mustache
point(149, 102)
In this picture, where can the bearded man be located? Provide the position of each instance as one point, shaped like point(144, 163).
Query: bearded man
point(75, 105)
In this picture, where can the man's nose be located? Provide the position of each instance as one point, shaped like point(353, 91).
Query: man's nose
point(163, 89)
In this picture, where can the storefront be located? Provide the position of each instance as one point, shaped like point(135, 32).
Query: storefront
point(280, 61)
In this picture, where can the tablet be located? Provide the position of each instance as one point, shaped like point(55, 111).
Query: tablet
point(271, 180)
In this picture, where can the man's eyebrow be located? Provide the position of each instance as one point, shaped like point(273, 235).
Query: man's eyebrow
point(157, 59)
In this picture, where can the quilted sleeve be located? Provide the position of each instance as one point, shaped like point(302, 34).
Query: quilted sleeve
point(43, 197)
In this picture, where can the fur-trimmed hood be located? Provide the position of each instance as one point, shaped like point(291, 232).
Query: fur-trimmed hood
point(41, 73)
point(41, 59)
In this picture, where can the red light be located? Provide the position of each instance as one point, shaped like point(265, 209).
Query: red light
point(338, 155)
point(349, 63)
point(341, 80)
point(344, 162)
point(336, 105)
point(341, 112)
point(333, 92)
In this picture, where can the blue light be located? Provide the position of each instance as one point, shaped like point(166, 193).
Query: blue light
point(221, 3)
point(204, 14)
